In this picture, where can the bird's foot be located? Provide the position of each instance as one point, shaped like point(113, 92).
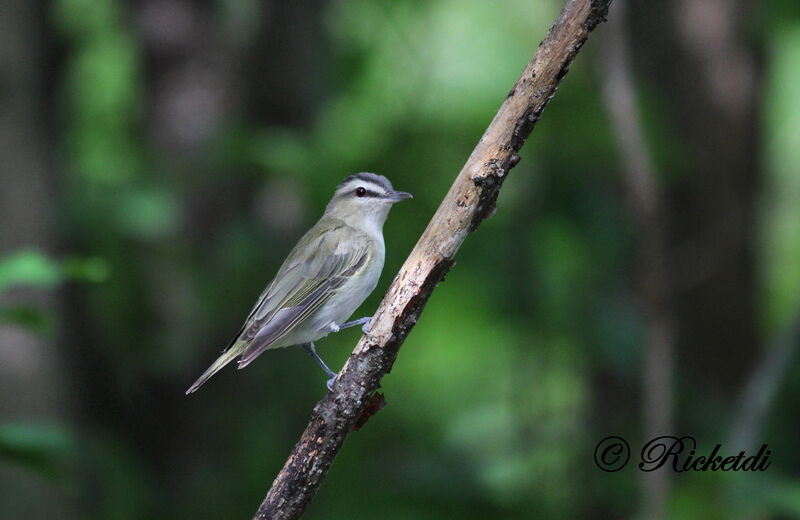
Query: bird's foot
point(333, 328)
point(364, 322)
point(330, 382)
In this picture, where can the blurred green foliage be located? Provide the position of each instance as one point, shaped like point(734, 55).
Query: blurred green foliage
point(41, 448)
point(30, 268)
point(33, 268)
point(782, 240)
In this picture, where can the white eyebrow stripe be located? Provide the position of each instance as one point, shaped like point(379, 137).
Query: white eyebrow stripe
point(367, 185)
point(369, 177)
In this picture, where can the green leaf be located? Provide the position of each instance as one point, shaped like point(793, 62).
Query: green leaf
point(92, 269)
point(37, 447)
point(28, 267)
point(27, 317)
point(147, 213)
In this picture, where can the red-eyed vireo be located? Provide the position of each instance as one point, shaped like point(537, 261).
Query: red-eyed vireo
point(328, 274)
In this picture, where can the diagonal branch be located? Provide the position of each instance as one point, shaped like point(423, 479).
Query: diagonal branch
point(470, 200)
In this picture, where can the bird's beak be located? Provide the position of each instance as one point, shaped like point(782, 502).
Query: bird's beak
point(397, 196)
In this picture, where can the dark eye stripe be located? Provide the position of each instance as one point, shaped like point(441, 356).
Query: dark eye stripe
point(368, 193)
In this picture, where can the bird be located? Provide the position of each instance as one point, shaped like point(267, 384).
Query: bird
point(325, 278)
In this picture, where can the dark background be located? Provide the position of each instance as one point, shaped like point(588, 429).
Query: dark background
point(159, 158)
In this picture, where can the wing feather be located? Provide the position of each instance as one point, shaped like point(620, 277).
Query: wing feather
point(301, 287)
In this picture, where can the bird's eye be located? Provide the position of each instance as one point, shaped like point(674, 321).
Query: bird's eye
point(360, 191)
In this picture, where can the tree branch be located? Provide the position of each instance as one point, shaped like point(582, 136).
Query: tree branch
point(470, 200)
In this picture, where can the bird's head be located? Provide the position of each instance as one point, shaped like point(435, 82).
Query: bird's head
point(364, 199)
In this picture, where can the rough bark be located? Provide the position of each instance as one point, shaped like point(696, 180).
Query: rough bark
point(470, 200)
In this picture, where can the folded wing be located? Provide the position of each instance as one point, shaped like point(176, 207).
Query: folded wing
point(302, 287)
point(314, 271)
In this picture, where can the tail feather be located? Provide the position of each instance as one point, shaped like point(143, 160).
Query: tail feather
point(217, 365)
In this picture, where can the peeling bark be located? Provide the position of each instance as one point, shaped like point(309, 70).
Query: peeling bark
point(470, 200)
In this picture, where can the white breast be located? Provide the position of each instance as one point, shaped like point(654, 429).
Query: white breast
point(342, 306)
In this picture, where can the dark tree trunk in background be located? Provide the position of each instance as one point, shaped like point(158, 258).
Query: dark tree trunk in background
point(206, 69)
point(191, 65)
point(645, 197)
point(33, 390)
point(708, 79)
point(287, 63)
point(196, 58)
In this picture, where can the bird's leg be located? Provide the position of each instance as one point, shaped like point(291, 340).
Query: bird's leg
point(313, 353)
point(360, 321)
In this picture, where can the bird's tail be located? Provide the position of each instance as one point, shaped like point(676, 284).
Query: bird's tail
point(217, 365)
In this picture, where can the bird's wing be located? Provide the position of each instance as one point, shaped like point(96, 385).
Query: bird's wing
point(318, 266)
